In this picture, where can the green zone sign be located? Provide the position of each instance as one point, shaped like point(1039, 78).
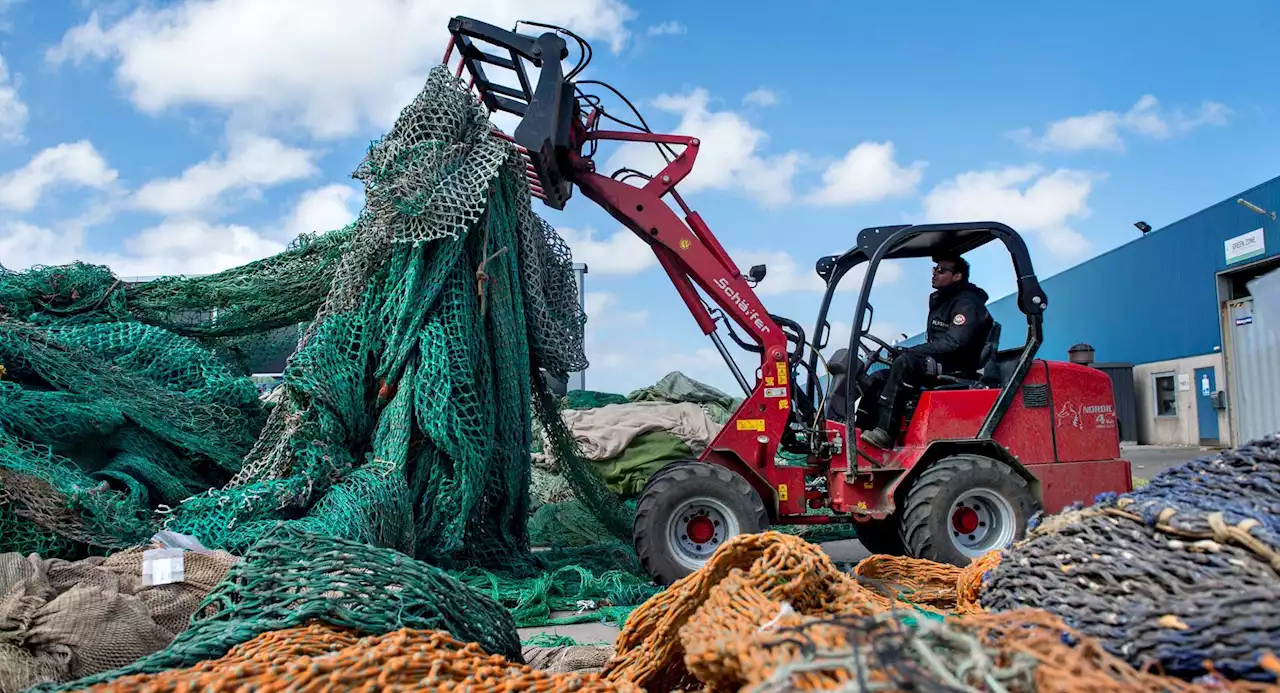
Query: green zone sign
point(1246, 246)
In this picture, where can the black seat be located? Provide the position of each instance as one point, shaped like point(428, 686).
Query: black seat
point(990, 357)
point(838, 367)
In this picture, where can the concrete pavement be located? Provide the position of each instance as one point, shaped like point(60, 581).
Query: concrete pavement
point(1149, 460)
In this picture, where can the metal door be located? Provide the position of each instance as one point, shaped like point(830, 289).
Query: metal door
point(1255, 372)
point(1206, 385)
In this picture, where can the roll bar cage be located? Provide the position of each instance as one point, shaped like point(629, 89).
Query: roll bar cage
point(881, 243)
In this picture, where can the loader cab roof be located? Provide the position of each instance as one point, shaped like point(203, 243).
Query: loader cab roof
point(907, 241)
point(925, 243)
point(879, 243)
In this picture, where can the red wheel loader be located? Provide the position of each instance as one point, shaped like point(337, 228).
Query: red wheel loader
point(976, 456)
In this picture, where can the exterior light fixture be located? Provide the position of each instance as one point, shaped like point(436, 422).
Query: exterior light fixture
point(1255, 208)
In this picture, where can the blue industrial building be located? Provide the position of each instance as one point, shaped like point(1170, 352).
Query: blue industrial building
point(1175, 304)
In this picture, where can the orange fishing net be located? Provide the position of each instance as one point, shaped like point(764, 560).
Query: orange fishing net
point(319, 658)
point(770, 612)
point(698, 626)
point(969, 584)
point(925, 583)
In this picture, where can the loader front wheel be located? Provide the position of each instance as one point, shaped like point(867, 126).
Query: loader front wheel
point(963, 506)
point(687, 512)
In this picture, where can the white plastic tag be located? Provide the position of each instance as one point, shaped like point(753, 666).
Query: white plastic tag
point(173, 540)
point(162, 567)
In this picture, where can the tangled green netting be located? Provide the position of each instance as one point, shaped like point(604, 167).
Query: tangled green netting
point(403, 420)
point(291, 577)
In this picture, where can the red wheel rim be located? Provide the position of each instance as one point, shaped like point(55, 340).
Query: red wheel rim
point(965, 520)
point(700, 529)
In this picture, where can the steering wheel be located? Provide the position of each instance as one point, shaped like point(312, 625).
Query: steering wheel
point(889, 352)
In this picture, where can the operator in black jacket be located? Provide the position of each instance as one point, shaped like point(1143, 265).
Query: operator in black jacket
point(958, 325)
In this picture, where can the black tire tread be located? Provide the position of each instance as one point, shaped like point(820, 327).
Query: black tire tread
point(916, 511)
point(665, 468)
point(668, 478)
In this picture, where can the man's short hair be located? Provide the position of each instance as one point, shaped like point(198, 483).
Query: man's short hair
point(962, 265)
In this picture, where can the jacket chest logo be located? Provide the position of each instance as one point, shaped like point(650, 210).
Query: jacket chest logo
point(958, 319)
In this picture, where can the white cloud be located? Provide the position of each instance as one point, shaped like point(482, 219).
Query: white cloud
point(1025, 197)
point(175, 245)
point(628, 363)
point(323, 209)
point(252, 163)
point(671, 28)
point(6, 5)
point(761, 97)
point(867, 173)
point(13, 112)
point(604, 311)
point(189, 246)
point(69, 164)
point(621, 254)
point(23, 245)
point(625, 354)
point(785, 276)
point(728, 156)
point(1103, 129)
point(331, 66)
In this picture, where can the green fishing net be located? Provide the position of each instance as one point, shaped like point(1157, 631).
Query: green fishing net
point(592, 399)
point(404, 417)
point(570, 524)
point(291, 577)
point(577, 592)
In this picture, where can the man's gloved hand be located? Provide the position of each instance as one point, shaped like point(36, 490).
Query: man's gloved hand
point(932, 367)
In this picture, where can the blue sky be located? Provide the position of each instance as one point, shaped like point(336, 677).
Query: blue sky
point(188, 137)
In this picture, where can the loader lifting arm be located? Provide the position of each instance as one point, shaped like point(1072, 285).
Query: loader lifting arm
point(558, 134)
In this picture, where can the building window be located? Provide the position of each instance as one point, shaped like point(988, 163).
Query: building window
point(1166, 394)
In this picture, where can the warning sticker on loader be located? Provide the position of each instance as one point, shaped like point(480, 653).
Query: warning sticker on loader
point(772, 392)
point(782, 492)
point(751, 424)
point(782, 372)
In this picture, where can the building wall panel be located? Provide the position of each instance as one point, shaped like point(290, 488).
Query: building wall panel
point(1255, 364)
point(1152, 299)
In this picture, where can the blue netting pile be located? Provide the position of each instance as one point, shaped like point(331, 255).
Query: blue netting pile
point(1243, 485)
point(1183, 574)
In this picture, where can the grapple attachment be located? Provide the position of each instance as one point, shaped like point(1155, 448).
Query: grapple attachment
point(547, 109)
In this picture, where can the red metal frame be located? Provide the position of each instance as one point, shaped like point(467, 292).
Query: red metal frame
point(748, 444)
point(691, 256)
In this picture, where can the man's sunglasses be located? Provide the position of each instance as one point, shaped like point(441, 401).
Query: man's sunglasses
point(938, 269)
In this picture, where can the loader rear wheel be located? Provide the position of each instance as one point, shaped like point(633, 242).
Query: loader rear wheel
point(963, 506)
point(688, 511)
